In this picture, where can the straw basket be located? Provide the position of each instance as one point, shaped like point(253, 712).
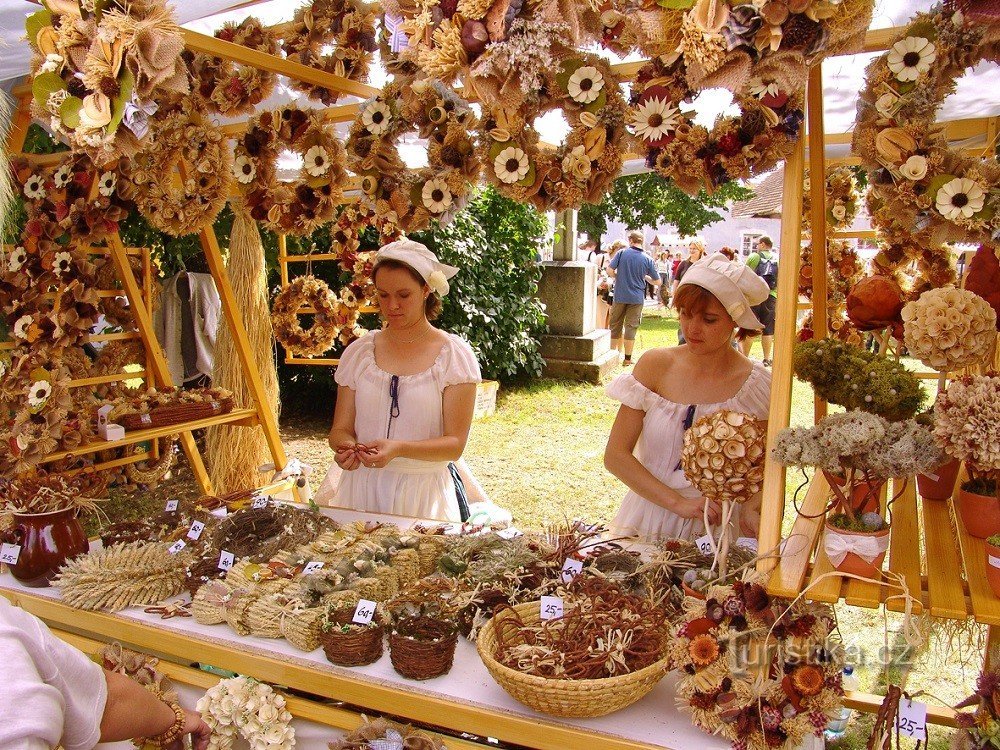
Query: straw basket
point(567, 698)
point(422, 659)
point(360, 645)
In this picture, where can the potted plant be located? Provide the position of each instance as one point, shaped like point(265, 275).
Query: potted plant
point(967, 425)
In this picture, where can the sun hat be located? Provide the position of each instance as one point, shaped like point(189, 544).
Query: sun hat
point(735, 285)
point(420, 259)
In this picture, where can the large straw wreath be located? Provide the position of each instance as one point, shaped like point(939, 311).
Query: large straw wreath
point(923, 182)
point(298, 207)
point(581, 168)
point(735, 148)
point(331, 315)
point(410, 198)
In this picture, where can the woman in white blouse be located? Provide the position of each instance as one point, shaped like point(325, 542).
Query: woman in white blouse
point(670, 388)
point(405, 398)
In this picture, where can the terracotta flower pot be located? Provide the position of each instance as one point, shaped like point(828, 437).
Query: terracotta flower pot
point(47, 540)
point(852, 561)
point(980, 513)
point(993, 568)
point(940, 484)
point(865, 496)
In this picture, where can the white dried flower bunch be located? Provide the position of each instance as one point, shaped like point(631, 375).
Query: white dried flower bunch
point(949, 328)
point(243, 707)
point(967, 421)
point(723, 455)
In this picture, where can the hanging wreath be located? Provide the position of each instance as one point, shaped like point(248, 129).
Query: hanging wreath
point(625, 28)
point(226, 87)
point(298, 207)
point(789, 680)
point(150, 471)
point(922, 181)
point(184, 136)
point(116, 309)
point(736, 148)
point(410, 198)
point(243, 707)
point(581, 168)
point(842, 199)
point(329, 319)
point(346, 25)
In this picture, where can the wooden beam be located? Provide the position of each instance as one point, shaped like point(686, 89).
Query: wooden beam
point(817, 217)
point(339, 113)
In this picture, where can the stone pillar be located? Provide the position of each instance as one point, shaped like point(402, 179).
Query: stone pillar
point(573, 348)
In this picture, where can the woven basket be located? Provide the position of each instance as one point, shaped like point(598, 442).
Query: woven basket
point(359, 646)
point(422, 660)
point(164, 416)
point(566, 698)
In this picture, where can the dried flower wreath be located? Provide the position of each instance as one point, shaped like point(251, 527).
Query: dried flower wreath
point(842, 199)
point(405, 197)
point(298, 207)
point(330, 316)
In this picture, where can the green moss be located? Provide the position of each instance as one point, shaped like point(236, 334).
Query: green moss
point(994, 540)
point(844, 522)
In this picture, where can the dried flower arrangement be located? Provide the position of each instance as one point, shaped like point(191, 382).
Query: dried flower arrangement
point(842, 199)
point(331, 316)
point(140, 667)
point(251, 710)
point(226, 87)
point(848, 375)
point(844, 269)
point(980, 729)
point(386, 735)
point(735, 148)
point(581, 168)
point(348, 26)
point(47, 492)
point(924, 182)
point(96, 70)
point(755, 670)
point(967, 426)
point(949, 328)
point(624, 28)
point(301, 206)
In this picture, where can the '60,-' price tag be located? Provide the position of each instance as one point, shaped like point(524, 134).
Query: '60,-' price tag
point(705, 544)
point(571, 569)
point(912, 718)
point(195, 531)
point(226, 560)
point(176, 547)
point(312, 567)
point(551, 607)
point(171, 505)
point(364, 612)
point(9, 553)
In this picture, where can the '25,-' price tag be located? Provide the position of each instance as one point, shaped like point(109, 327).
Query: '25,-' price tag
point(551, 607)
point(571, 569)
point(9, 553)
point(364, 612)
point(912, 718)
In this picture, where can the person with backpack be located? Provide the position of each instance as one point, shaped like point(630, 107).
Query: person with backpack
point(765, 264)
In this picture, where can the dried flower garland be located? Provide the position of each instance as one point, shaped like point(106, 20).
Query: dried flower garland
point(736, 148)
point(330, 317)
point(784, 690)
point(625, 28)
point(386, 735)
point(345, 238)
point(298, 207)
point(949, 328)
point(346, 25)
point(97, 71)
point(410, 198)
point(243, 707)
point(842, 199)
point(924, 183)
point(581, 168)
point(229, 88)
point(183, 137)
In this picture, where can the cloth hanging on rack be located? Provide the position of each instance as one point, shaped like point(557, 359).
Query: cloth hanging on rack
point(185, 324)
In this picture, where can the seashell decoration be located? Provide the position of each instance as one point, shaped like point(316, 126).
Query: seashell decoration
point(723, 455)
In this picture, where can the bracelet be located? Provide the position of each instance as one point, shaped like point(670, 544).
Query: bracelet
point(174, 731)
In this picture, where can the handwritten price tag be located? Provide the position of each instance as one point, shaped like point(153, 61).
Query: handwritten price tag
point(312, 567)
point(552, 607)
point(364, 612)
point(226, 560)
point(912, 718)
point(705, 544)
point(747, 542)
point(571, 569)
point(196, 528)
point(259, 502)
point(510, 533)
point(9, 553)
point(453, 529)
point(177, 546)
point(171, 505)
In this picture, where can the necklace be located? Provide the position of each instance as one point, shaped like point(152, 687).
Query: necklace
point(419, 336)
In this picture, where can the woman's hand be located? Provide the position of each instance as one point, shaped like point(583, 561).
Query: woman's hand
point(380, 453)
point(347, 456)
point(749, 521)
point(694, 507)
point(195, 726)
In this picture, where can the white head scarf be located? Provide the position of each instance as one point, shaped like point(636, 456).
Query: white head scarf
point(420, 259)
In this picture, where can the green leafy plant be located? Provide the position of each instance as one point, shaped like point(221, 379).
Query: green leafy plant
point(994, 540)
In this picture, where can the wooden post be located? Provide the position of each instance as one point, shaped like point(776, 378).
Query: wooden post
point(773, 505)
point(817, 202)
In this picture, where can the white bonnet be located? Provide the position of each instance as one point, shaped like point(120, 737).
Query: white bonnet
point(421, 260)
point(735, 285)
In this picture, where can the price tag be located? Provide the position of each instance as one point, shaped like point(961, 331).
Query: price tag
point(912, 718)
point(196, 528)
point(748, 542)
point(364, 612)
point(9, 553)
point(552, 607)
point(220, 512)
point(226, 560)
point(453, 529)
point(171, 505)
point(145, 419)
point(571, 569)
point(177, 546)
point(705, 545)
point(509, 533)
point(260, 501)
point(312, 567)
point(994, 561)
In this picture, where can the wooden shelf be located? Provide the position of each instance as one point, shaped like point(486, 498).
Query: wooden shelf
point(238, 417)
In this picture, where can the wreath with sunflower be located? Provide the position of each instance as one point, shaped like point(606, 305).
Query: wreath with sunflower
point(182, 137)
point(842, 199)
point(411, 198)
point(579, 170)
point(754, 670)
point(330, 316)
point(301, 206)
point(736, 148)
point(922, 181)
point(346, 25)
point(345, 237)
point(228, 88)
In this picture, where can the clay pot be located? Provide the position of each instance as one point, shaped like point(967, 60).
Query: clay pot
point(993, 568)
point(866, 497)
point(854, 564)
point(47, 540)
point(980, 513)
point(943, 487)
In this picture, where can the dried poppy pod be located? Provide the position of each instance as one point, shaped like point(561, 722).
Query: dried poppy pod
point(723, 455)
